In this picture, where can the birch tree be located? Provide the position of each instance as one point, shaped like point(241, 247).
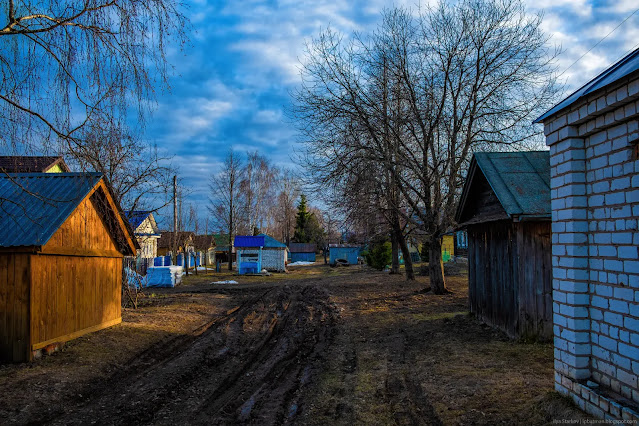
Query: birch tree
point(227, 198)
point(466, 76)
point(67, 65)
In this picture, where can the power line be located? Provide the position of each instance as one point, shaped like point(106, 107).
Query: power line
point(599, 42)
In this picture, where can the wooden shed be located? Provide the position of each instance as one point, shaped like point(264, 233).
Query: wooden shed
point(505, 207)
point(62, 240)
point(302, 252)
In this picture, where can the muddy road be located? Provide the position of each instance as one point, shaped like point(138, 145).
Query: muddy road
point(248, 366)
point(317, 346)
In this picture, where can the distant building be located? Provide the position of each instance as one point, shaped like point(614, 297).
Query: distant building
point(347, 252)
point(167, 242)
point(206, 245)
point(32, 164)
point(505, 207)
point(594, 157)
point(146, 232)
point(265, 251)
point(302, 252)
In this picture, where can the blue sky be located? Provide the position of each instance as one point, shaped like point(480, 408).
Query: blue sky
point(231, 85)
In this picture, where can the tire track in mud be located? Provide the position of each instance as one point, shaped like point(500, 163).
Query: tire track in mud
point(249, 366)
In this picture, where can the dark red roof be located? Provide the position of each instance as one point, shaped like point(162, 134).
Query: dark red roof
point(27, 164)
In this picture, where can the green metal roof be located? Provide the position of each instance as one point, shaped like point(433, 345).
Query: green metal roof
point(35, 205)
point(520, 180)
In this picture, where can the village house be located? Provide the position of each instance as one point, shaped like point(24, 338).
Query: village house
point(62, 240)
point(505, 207)
point(593, 137)
point(206, 245)
point(146, 232)
point(32, 164)
point(180, 242)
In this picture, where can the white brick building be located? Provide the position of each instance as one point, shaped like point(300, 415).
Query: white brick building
point(593, 138)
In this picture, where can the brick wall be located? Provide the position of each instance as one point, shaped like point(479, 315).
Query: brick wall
point(595, 240)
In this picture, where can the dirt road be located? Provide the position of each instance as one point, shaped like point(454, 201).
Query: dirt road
point(318, 347)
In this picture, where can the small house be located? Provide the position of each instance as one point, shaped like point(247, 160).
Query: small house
point(505, 208)
point(345, 252)
point(593, 137)
point(179, 242)
point(302, 252)
point(260, 252)
point(62, 241)
point(146, 232)
point(206, 245)
point(222, 248)
point(32, 164)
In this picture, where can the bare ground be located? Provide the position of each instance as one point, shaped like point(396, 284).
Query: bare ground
point(316, 346)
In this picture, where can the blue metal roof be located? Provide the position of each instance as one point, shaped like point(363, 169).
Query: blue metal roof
point(271, 242)
point(248, 241)
point(520, 180)
point(136, 218)
point(624, 67)
point(261, 240)
point(35, 205)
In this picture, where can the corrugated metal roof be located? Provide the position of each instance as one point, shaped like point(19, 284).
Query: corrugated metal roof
point(35, 205)
point(261, 240)
point(302, 247)
point(521, 180)
point(622, 68)
point(136, 218)
point(271, 242)
point(248, 241)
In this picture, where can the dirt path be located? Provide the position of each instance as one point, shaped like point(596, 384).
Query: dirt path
point(247, 366)
point(318, 346)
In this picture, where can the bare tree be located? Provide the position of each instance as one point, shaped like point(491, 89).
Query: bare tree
point(457, 78)
point(227, 198)
point(66, 64)
point(140, 177)
point(257, 186)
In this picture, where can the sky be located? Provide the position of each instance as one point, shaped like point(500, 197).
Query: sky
point(231, 85)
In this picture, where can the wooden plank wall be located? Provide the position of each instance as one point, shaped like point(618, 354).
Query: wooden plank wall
point(79, 293)
point(493, 287)
point(14, 307)
point(510, 283)
point(72, 295)
point(535, 280)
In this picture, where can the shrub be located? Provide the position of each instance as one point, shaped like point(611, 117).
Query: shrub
point(379, 255)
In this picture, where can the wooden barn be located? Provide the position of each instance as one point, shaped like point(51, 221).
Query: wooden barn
point(62, 240)
point(505, 207)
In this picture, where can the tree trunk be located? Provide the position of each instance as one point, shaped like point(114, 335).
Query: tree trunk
point(395, 254)
point(408, 261)
point(436, 266)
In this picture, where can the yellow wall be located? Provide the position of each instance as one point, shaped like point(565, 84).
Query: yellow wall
point(448, 247)
point(55, 169)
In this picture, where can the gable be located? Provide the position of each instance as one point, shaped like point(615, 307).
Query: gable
point(480, 203)
point(35, 205)
point(39, 206)
point(84, 231)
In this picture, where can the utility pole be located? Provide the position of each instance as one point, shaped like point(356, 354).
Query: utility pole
point(175, 221)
